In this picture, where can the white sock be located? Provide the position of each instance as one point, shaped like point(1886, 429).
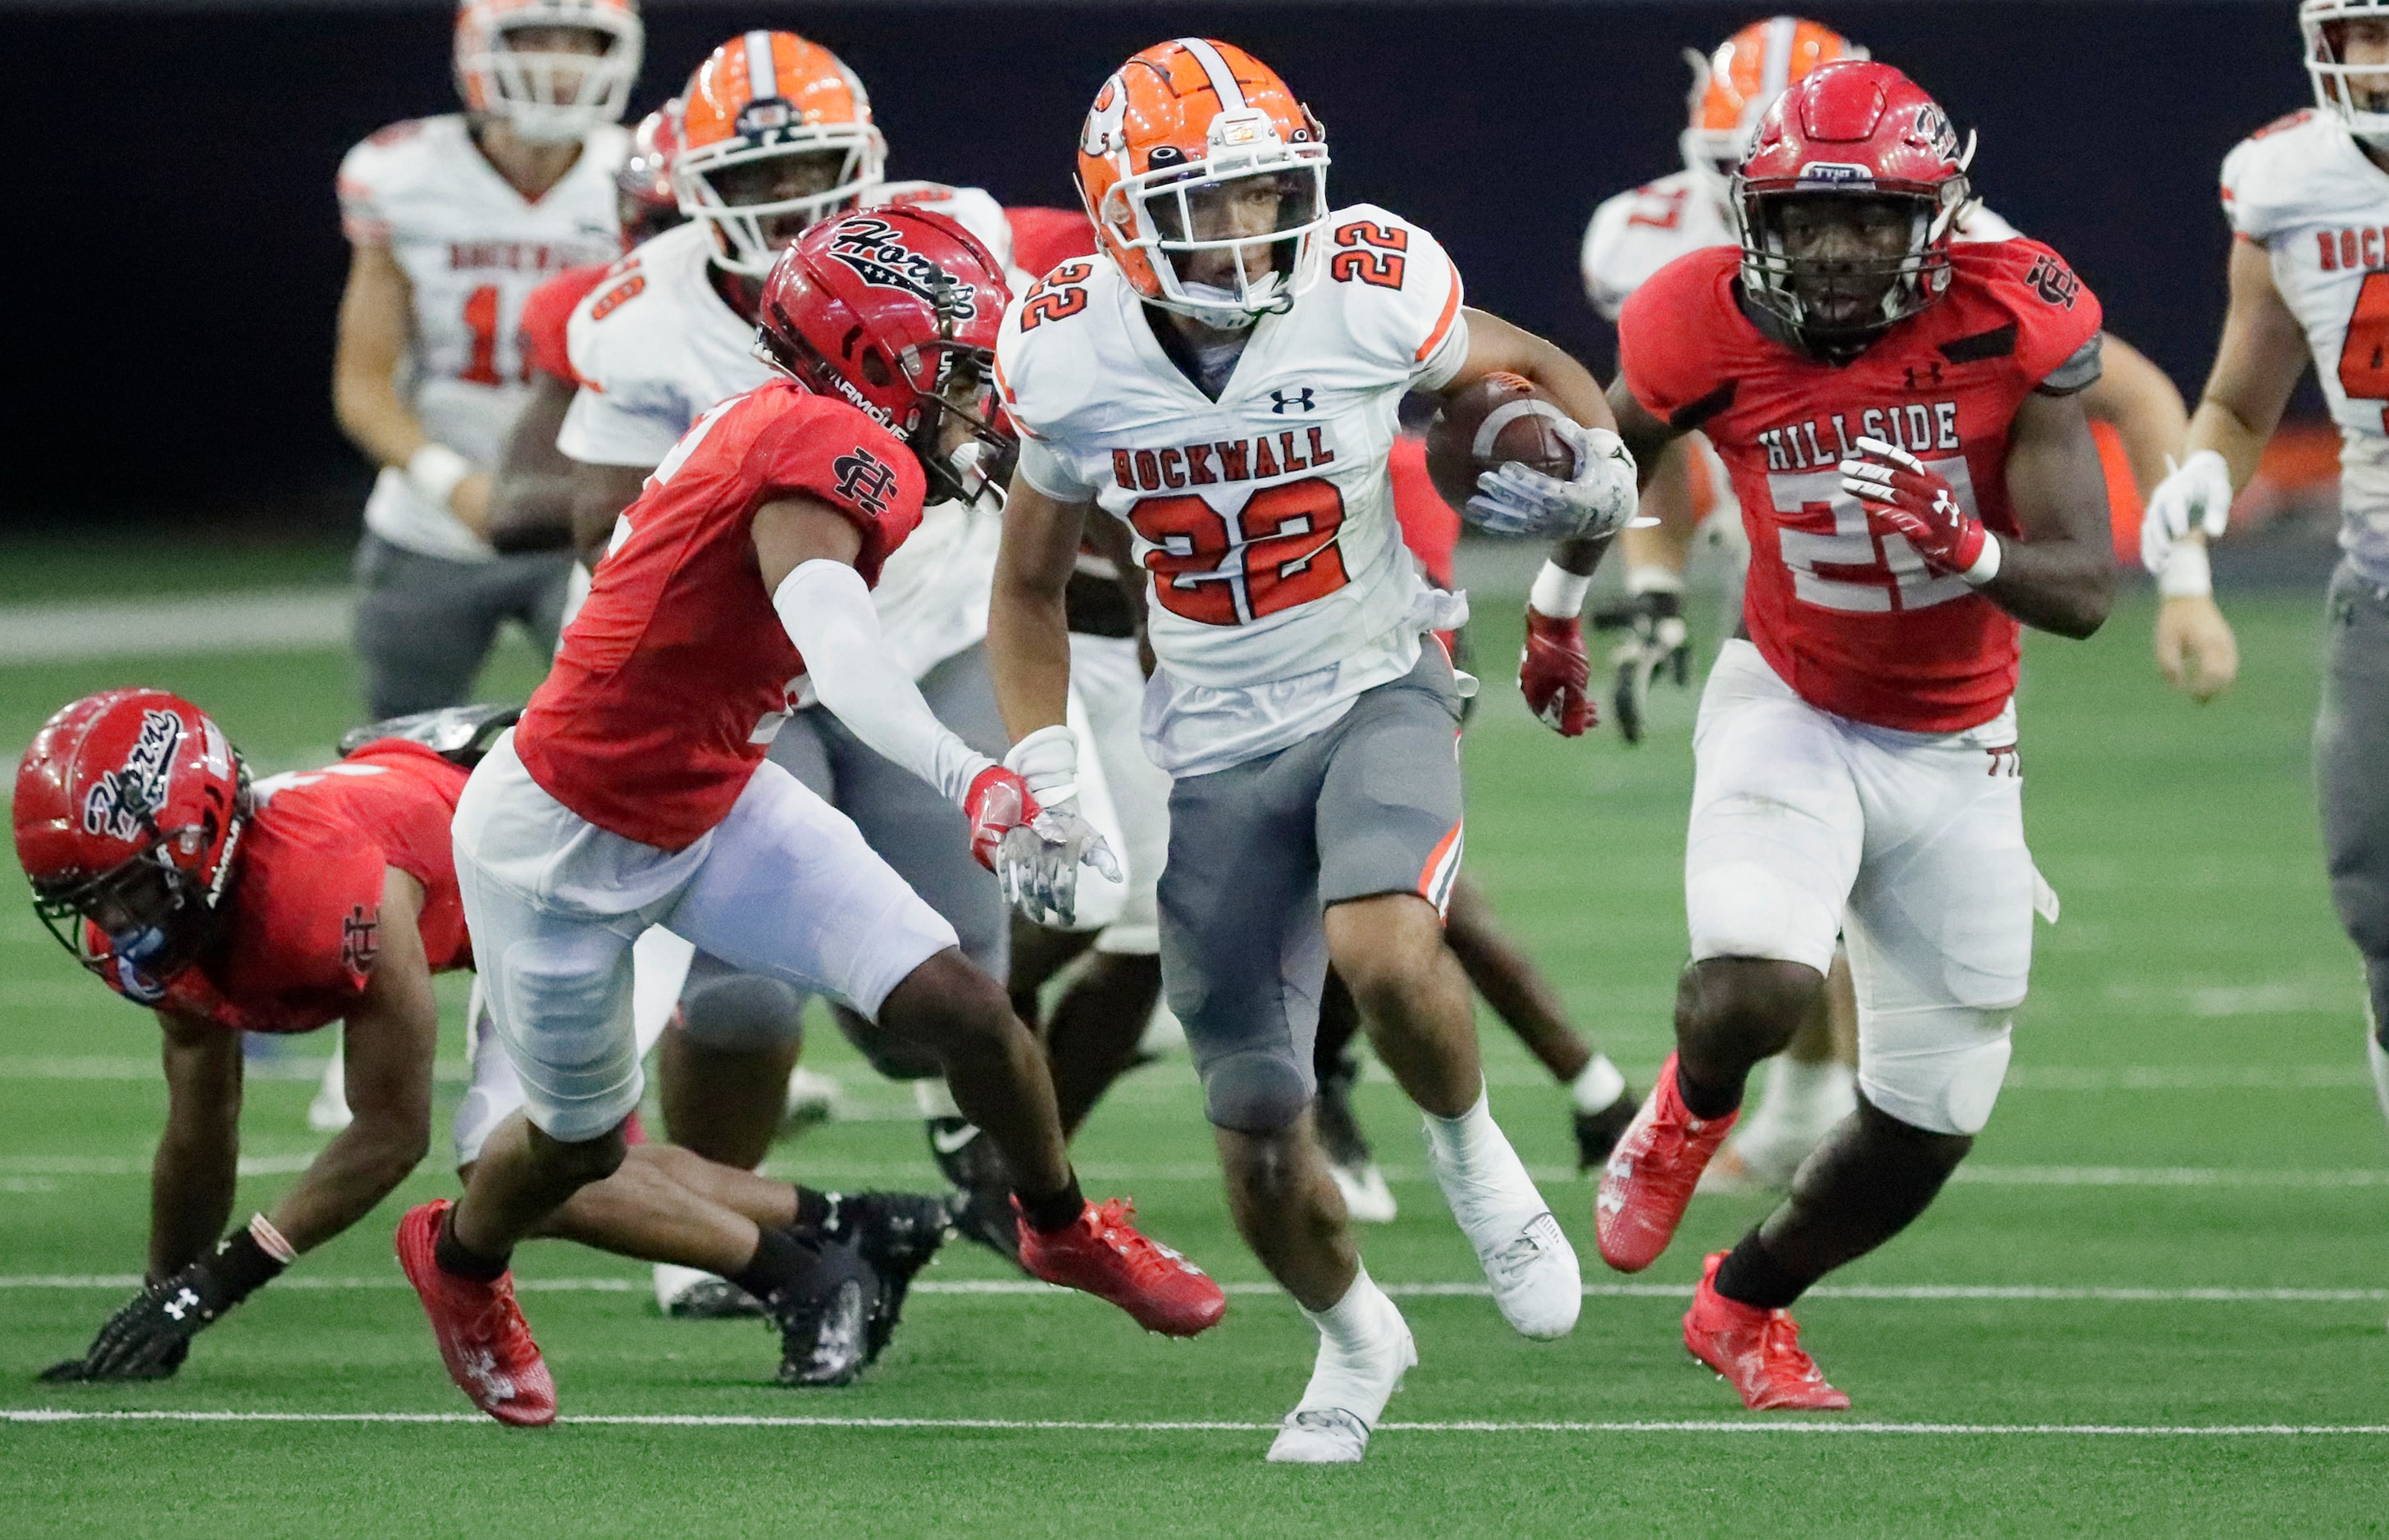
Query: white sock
point(1354, 1334)
point(1599, 1086)
point(934, 1100)
point(1467, 1142)
point(1806, 1095)
point(2378, 1059)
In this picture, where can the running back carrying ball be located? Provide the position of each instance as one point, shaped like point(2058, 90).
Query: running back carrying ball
point(1503, 417)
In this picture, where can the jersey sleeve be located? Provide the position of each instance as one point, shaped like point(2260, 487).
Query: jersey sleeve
point(547, 316)
point(1402, 294)
point(1596, 260)
point(623, 415)
point(2057, 317)
point(1046, 372)
point(362, 186)
point(1660, 329)
point(843, 458)
point(2253, 179)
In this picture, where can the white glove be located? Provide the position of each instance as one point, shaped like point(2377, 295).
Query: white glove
point(1038, 864)
point(1516, 500)
point(2196, 495)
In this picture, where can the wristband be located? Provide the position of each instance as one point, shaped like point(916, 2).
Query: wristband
point(1558, 593)
point(434, 470)
point(1987, 566)
point(2187, 574)
point(271, 1240)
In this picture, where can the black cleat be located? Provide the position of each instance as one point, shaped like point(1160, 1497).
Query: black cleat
point(898, 1234)
point(1598, 1133)
point(824, 1320)
point(981, 1204)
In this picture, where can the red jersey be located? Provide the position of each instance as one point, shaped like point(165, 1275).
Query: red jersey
point(677, 671)
point(305, 905)
point(546, 312)
point(1429, 526)
point(1043, 239)
point(1848, 616)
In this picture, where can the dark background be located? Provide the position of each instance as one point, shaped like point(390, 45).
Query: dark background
point(176, 257)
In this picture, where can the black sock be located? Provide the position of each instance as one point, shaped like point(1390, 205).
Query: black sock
point(780, 1260)
point(1705, 1102)
point(815, 1210)
point(1750, 1276)
point(453, 1255)
point(1055, 1210)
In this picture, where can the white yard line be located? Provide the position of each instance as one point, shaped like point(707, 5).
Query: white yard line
point(1017, 1287)
point(1058, 1425)
point(245, 620)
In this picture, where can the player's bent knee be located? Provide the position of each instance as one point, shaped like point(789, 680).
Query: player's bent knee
point(948, 1005)
point(584, 1159)
point(1944, 1088)
point(1256, 1091)
point(1747, 992)
point(744, 1013)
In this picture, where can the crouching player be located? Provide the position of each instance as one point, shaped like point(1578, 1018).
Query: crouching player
point(1916, 477)
point(634, 791)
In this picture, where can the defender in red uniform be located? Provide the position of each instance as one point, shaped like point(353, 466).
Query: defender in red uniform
point(635, 791)
point(1917, 479)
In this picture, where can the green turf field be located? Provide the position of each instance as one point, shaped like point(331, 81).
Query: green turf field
point(2179, 1220)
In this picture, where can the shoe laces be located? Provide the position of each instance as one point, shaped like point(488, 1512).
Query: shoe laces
point(1525, 1249)
point(1779, 1346)
point(1115, 1226)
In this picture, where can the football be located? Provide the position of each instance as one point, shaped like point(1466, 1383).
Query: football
point(1501, 418)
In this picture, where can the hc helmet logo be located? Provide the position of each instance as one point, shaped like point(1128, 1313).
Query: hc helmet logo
point(1299, 400)
point(864, 479)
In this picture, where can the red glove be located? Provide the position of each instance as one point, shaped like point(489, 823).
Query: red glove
point(1555, 674)
point(1917, 503)
point(997, 803)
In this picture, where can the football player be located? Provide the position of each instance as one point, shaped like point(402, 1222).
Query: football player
point(1224, 378)
point(452, 221)
point(775, 134)
point(1809, 1086)
point(2305, 201)
point(1857, 762)
point(330, 895)
point(635, 791)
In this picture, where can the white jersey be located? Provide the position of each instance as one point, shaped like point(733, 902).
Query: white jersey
point(1280, 585)
point(2305, 191)
point(472, 248)
point(655, 344)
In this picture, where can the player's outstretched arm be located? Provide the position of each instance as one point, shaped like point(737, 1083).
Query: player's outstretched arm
point(387, 1043)
point(530, 497)
point(192, 1177)
point(375, 324)
point(1027, 629)
point(2137, 399)
point(2061, 576)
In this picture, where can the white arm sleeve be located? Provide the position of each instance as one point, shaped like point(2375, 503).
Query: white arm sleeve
point(830, 617)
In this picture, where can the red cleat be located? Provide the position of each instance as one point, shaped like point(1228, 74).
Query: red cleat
point(483, 1336)
point(1105, 1254)
point(1756, 1352)
point(1652, 1172)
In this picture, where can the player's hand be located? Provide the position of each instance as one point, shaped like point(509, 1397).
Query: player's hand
point(1554, 674)
point(1037, 865)
point(1513, 499)
point(151, 1335)
point(2196, 651)
point(2196, 495)
point(1917, 503)
point(470, 502)
point(1656, 642)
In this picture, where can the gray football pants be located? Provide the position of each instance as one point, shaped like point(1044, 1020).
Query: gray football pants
point(425, 624)
point(914, 829)
point(2351, 752)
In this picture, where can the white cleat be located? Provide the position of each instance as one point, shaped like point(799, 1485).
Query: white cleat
point(1346, 1397)
point(1367, 1199)
point(814, 1099)
point(1527, 1258)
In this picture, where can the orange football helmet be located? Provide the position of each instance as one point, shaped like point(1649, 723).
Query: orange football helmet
point(1177, 146)
point(547, 95)
point(767, 97)
point(1732, 86)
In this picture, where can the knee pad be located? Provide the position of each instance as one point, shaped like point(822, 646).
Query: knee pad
point(1942, 1070)
point(1746, 908)
point(891, 1055)
point(1256, 1091)
point(742, 1013)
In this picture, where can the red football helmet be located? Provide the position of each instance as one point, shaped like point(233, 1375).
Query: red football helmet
point(1868, 138)
point(130, 808)
point(644, 200)
point(895, 311)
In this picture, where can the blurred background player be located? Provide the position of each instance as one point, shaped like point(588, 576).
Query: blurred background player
point(330, 895)
point(1600, 1102)
point(2138, 418)
point(634, 791)
point(1857, 762)
point(775, 134)
point(1219, 383)
point(2306, 204)
point(453, 220)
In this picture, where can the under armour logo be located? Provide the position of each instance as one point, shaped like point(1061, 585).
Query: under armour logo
point(182, 1305)
point(1926, 377)
point(864, 479)
point(1298, 400)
